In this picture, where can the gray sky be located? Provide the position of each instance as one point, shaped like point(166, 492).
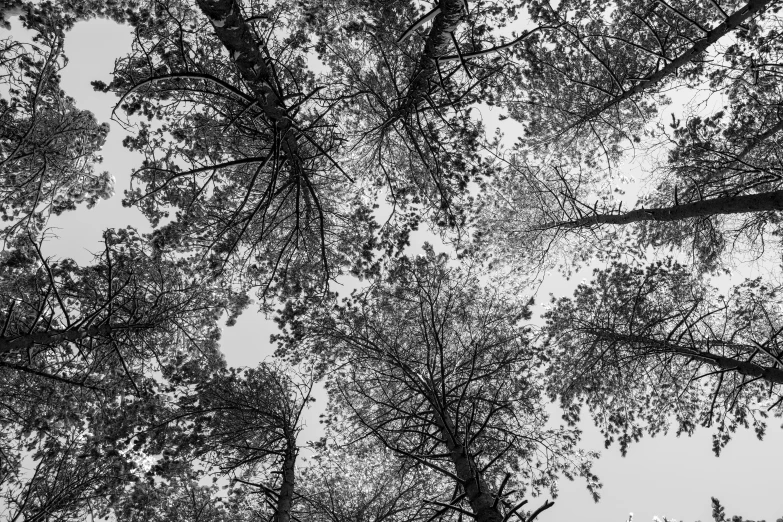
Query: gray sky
point(661, 476)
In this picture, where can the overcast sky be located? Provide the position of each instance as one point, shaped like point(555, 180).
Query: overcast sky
point(662, 476)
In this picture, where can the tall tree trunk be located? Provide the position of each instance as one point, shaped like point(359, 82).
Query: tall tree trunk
point(245, 51)
point(238, 39)
point(764, 202)
point(729, 24)
point(286, 497)
point(437, 44)
point(481, 501)
point(772, 375)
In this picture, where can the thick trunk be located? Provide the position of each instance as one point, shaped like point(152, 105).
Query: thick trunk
point(437, 45)
point(772, 375)
point(481, 501)
point(729, 24)
point(766, 201)
point(286, 497)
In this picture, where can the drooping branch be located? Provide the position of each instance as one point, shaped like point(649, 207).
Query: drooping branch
point(173, 175)
point(180, 76)
point(50, 376)
point(297, 142)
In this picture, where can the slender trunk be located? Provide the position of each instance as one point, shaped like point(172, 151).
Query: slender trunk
point(482, 502)
point(764, 202)
point(772, 375)
point(729, 24)
point(286, 497)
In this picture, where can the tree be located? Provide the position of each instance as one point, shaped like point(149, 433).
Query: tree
point(85, 326)
point(719, 514)
point(92, 351)
point(275, 170)
point(717, 187)
point(249, 150)
point(179, 498)
point(436, 369)
point(588, 70)
point(48, 147)
point(362, 483)
point(640, 346)
point(294, 142)
point(403, 79)
point(245, 424)
point(63, 483)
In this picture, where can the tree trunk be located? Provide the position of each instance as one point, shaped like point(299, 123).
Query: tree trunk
point(237, 37)
point(482, 502)
point(286, 497)
point(729, 24)
point(772, 375)
point(437, 44)
point(764, 202)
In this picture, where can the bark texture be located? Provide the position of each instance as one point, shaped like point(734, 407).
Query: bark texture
point(481, 501)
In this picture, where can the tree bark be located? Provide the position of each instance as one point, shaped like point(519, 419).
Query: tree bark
point(286, 497)
point(764, 202)
point(729, 24)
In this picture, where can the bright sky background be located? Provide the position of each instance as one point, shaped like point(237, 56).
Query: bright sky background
point(665, 476)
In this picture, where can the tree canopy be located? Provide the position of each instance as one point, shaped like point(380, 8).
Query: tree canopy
point(285, 147)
